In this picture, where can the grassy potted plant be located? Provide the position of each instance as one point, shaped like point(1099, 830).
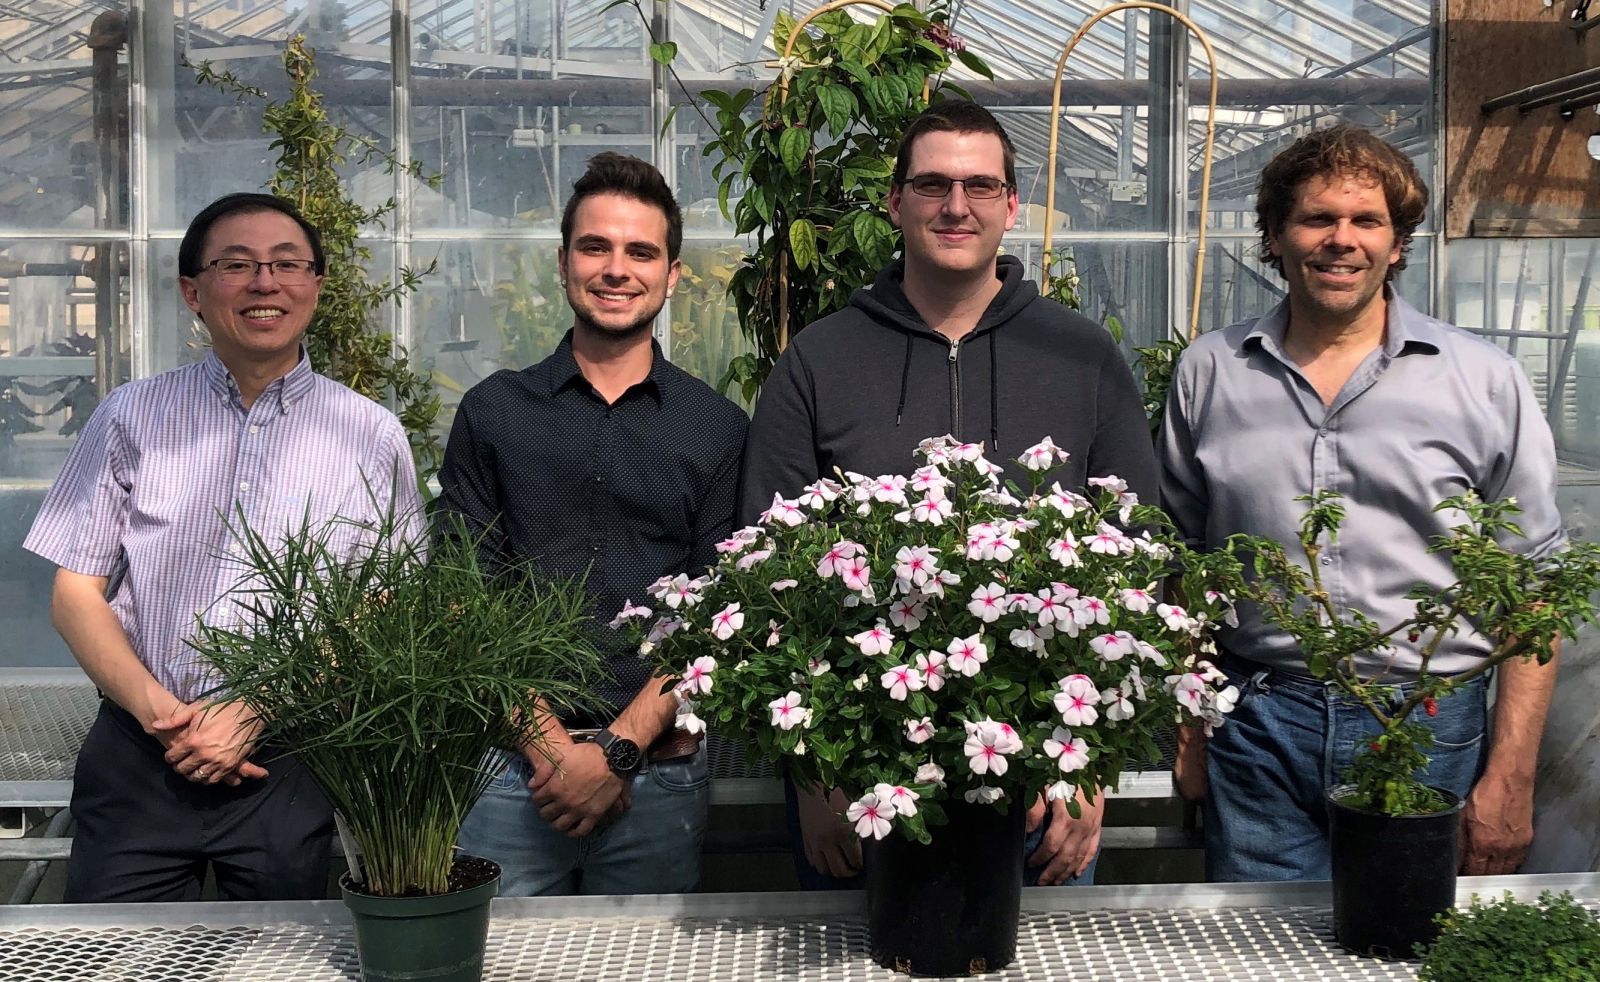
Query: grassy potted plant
point(1393, 836)
point(944, 648)
point(391, 673)
point(1551, 940)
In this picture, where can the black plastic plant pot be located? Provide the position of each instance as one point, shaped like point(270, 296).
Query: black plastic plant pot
point(440, 938)
point(1391, 875)
point(949, 908)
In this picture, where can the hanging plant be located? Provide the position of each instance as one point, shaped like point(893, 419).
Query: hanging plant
point(344, 340)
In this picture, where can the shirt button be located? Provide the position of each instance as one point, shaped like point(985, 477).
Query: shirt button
point(244, 485)
point(254, 428)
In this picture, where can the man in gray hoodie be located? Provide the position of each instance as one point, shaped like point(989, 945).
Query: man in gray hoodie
point(952, 339)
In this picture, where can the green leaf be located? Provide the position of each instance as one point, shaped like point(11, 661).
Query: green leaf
point(838, 105)
point(666, 124)
point(794, 144)
point(663, 52)
point(803, 243)
point(875, 237)
point(975, 63)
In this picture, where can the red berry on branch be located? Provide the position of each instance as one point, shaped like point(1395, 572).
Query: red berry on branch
point(1431, 705)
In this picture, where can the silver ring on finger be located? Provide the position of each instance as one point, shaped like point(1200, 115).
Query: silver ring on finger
point(200, 772)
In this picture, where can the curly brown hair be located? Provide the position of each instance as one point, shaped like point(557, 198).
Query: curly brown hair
point(1337, 151)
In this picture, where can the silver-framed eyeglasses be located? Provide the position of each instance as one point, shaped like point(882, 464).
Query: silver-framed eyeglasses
point(236, 270)
point(938, 186)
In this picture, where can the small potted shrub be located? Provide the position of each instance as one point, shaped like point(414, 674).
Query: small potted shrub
point(1393, 836)
point(390, 673)
point(945, 648)
point(1552, 940)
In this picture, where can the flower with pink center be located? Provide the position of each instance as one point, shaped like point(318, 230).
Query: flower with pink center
point(907, 613)
point(837, 558)
point(871, 816)
point(919, 730)
point(1069, 752)
point(1138, 601)
point(857, 576)
point(740, 540)
point(967, 655)
point(984, 750)
point(680, 592)
point(889, 489)
point(819, 495)
point(930, 773)
point(1109, 541)
point(726, 622)
point(966, 452)
point(1076, 701)
point(1065, 551)
point(1176, 618)
point(930, 482)
point(928, 511)
point(903, 799)
point(1088, 611)
point(1113, 645)
point(876, 640)
point(932, 666)
point(1042, 456)
point(1068, 503)
point(1190, 691)
point(817, 666)
point(988, 603)
point(786, 712)
point(697, 677)
point(782, 512)
point(901, 681)
point(750, 560)
point(914, 566)
point(627, 613)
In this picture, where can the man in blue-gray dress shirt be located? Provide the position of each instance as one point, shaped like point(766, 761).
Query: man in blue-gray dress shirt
point(1345, 387)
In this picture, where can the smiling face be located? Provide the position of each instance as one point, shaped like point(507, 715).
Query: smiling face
point(615, 265)
point(258, 322)
point(953, 235)
point(1337, 245)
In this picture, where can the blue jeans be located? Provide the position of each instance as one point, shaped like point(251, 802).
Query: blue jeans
point(653, 847)
point(813, 879)
point(1289, 739)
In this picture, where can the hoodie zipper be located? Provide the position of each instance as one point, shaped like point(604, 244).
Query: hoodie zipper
point(955, 389)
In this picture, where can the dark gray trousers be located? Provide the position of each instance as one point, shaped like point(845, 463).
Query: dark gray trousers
point(144, 833)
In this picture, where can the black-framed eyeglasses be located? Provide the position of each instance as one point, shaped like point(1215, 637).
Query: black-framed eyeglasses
point(938, 186)
point(235, 270)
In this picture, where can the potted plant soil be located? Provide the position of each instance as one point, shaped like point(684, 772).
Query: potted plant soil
point(944, 648)
point(390, 668)
point(1394, 838)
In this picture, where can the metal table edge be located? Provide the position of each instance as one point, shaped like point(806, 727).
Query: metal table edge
point(776, 905)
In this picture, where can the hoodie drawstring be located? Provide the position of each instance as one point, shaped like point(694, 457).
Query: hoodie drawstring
point(994, 396)
point(905, 375)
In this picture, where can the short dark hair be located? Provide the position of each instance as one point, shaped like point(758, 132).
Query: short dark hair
point(1340, 151)
point(618, 173)
point(242, 203)
point(954, 116)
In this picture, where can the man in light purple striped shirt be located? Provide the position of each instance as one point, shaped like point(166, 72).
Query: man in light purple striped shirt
point(137, 523)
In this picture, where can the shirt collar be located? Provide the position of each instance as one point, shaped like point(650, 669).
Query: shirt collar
point(561, 370)
point(1405, 329)
point(286, 390)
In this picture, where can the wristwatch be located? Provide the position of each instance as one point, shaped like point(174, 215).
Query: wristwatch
point(622, 754)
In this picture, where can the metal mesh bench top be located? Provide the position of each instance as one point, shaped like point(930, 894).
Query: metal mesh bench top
point(1233, 931)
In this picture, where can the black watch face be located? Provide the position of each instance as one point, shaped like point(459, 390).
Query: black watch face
point(624, 756)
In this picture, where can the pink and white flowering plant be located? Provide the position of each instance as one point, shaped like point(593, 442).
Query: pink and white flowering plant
point(947, 636)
